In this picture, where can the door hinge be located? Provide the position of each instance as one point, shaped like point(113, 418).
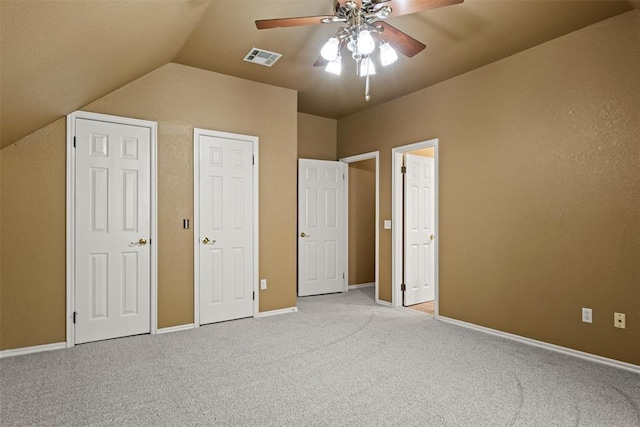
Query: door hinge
point(254, 295)
point(75, 315)
point(253, 159)
point(74, 142)
point(403, 287)
point(403, 169)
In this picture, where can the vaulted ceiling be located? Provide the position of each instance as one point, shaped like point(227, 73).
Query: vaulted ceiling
point(57, 55)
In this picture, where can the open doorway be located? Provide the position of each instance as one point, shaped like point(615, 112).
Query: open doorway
point(362, 217)
point(415, 225)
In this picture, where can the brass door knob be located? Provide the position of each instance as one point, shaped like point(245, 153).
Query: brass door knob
point(303, 234)
point(207, 241)
point(432, 237)
point(140, 242)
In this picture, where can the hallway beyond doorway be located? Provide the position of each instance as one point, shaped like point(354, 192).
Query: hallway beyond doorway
point(428, 307)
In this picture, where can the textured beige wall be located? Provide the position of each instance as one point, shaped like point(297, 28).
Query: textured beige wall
point(539, 175)
point(317, 137)
point(362, 221)
point(179, 98)
point(1, 157)
point(32, 248)
point(175, 244)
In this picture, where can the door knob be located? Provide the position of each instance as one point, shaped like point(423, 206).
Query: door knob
point(432, 237)
point(207, 241)
point(140, 242)
point(303, 234)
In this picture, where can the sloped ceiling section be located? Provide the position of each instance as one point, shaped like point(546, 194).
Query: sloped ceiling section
point(57, 56)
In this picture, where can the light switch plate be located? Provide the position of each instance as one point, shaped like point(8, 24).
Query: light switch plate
point(387, 224)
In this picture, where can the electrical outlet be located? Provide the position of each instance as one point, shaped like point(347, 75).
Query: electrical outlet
point(263, 284)
point(619, 320)
point(587, 315)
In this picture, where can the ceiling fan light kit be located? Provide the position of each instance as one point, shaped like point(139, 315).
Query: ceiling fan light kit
point(388, 55)
point(330, 49)
point(363, 30)
point(367, 67)
point(366, 44)
point(335, 66)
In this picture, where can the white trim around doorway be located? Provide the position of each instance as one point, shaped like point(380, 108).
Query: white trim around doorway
point(71, 219)
point(396, 228)
point(254, 140)
point(352, 159)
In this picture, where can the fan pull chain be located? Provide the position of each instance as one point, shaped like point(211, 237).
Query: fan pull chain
point(366, 88)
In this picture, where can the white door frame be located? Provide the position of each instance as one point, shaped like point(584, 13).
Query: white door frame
point(396, 231)
point(71, 219)
point(254, 140)
point(352, 159)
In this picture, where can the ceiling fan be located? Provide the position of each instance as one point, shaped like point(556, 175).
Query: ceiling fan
point(363, 26)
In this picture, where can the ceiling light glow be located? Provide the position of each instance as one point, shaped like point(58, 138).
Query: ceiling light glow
point(388, 54)
point(367, 68)
point(330, 49)
point(335, 66)
point(366, 44)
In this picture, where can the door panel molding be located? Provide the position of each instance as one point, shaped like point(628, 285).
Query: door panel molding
point(71, 215)
point(254, 140)
point(321, 225)
point(419, 234)
point(397, 154)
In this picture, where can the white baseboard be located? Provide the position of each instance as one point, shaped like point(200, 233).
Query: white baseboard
point(385, 303)
point(276, 312)
point(362, 285)
point(176, 328)
point(548, 346)
point(34, 349)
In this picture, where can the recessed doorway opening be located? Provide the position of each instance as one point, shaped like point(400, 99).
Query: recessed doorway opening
point(415, 226)
point(362, 206)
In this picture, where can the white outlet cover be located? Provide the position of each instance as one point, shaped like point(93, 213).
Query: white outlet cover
point(587, 315)
point(619, 320)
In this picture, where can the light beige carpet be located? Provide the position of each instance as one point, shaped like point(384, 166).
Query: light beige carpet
point(341, 360)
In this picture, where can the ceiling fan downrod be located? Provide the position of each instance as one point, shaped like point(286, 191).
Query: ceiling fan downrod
point(362, 32)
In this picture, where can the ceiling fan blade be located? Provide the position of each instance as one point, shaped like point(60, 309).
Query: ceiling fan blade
point(320, 62)
point(402, 42)
point(292, 22)
point(406, 7)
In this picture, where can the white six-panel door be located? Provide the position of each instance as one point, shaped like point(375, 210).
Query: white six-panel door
point(112, 231)
point(320, 227)
point(225, 247)
point(419, 229)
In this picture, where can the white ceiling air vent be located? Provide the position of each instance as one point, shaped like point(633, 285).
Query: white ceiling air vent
point(262, 57)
